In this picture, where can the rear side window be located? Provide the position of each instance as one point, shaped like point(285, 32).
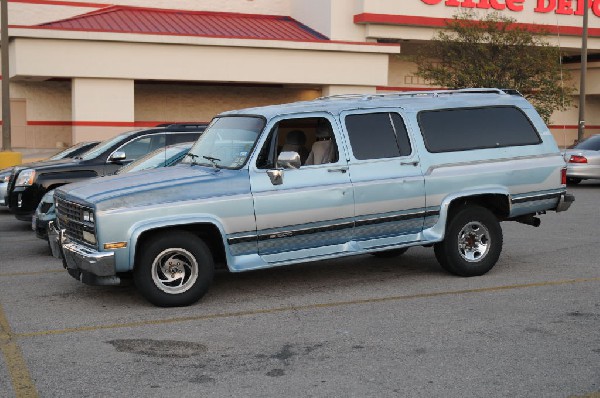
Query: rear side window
point(377, 135)
point(451, 130)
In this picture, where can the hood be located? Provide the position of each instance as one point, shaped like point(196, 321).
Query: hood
point(47, 164)
point(163, 185)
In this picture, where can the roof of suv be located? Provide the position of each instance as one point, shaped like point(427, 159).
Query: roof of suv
point(417, 100)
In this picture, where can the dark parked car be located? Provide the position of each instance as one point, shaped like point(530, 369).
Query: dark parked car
point(159, 158)
point(70, 152)
point(75, 150)
point(28, 186)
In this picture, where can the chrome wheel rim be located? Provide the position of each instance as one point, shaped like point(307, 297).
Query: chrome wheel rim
point(174, 271)
point(474, 242)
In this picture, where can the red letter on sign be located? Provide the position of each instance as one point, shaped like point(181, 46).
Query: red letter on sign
point(596, 8)
point(515, 5)
point(485, 4)
point(542, 7)
point(564, 7)
point(431, 2)
point(452, 3)
point(468, 4)
point(496, 5)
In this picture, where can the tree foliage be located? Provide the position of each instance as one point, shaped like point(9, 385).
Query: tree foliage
point(496, 52)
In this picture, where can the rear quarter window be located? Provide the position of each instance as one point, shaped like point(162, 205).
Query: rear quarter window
point(463, 129)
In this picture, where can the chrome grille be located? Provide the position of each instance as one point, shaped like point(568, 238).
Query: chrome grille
point(70, 218)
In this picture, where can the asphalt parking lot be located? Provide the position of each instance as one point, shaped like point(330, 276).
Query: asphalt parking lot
point(354, 327)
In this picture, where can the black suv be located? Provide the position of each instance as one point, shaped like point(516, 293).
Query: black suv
point(28, 185)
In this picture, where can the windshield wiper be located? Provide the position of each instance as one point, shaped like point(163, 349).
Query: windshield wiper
point(213, 161)
point(194, 157)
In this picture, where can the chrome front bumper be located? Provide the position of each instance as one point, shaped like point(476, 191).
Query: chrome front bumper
point(54, 240)
point(83, 263)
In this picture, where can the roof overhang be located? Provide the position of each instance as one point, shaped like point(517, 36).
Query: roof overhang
point(38, 53)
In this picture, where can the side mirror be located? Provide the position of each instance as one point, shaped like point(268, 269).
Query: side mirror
point(288, 160)
point(117, 157)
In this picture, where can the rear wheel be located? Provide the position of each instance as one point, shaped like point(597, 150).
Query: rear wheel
point(174, 269)
point(472, 244)
point(573, 180)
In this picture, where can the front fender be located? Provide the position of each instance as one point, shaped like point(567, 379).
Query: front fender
point(140, 227)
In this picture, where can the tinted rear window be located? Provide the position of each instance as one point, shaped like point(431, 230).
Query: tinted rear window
point(377, 135)
point(451, 130)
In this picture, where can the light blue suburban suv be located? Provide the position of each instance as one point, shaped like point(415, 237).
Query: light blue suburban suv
point(337, 176)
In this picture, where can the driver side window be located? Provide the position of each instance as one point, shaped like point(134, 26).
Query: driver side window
point(311, 138)
point(141, 146)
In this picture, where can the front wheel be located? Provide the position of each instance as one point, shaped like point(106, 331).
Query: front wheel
point(174, 269)
point(472, 244)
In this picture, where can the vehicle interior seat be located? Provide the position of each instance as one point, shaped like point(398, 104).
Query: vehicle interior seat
point(323, 149)
point(295, 141)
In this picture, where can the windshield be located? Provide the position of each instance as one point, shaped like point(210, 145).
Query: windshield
point(227, 142)
point(70, 152)
point(592, 143)
point(104, 145)
point(159, 158)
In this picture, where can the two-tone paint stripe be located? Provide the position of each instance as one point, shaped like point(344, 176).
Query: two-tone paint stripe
point(288, 233)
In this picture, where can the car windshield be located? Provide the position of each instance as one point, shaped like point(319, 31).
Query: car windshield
point(227, 142)
point(67, 153)
point(592, 143)
point(159, 158)
point(104, 145)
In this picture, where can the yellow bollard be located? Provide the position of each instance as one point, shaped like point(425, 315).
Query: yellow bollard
point(8, 159)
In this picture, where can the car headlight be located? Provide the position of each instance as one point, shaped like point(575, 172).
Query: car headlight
point(88, 216)
point(25, 178)
point(89, 235)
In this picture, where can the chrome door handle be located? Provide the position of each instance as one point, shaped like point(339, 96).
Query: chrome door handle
point(413, 163)
point(338, 170)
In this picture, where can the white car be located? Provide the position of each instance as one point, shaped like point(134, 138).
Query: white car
point(583, 160)
point(4, 176)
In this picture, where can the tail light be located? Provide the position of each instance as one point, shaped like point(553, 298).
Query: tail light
point(563, 176)
point(577, 159)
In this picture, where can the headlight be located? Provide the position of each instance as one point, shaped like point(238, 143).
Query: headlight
point(25, 178)
point(88, 216)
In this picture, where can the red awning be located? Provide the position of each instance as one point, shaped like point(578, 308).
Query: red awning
point(123, 19)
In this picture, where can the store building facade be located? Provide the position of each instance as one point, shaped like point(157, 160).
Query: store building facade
point(84, 70)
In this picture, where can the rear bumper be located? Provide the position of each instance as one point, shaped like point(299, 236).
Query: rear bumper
point(583, 171)
point(565, 201)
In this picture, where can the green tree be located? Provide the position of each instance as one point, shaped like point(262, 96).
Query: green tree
point(496, 52)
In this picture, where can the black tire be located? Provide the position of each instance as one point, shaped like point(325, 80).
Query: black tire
point(573, 180)
point(472, 244)
point(190, 262)
point(390, 253)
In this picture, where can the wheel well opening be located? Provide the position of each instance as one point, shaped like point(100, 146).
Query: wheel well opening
point(496, 203)
point(209, 233)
